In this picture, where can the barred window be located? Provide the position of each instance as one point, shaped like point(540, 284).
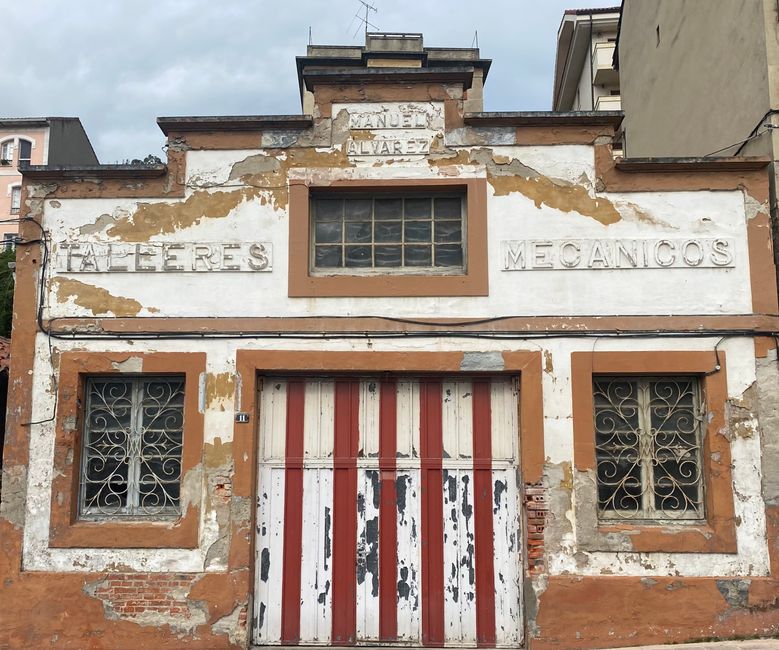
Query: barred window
point(131, 449)
point(409, 233)
point(648, 448)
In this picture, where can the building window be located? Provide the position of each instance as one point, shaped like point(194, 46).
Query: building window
point(131, 449)
point(25, 151)
point(648, 448)
point(7, 152)
point(415, 232)
point(10, 240)
point(16, 199)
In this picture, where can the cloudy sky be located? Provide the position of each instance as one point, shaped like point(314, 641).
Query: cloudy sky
point(118, 64)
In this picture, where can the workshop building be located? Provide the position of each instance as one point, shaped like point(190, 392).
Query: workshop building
point(394, 371)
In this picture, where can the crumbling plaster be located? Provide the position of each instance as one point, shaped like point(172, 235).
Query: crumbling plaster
point(241, 196)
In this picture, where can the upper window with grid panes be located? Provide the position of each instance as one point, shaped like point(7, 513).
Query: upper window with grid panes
point(388, 233)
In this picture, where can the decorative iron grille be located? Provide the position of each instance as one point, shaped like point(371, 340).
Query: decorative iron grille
point(648, 447)
point(131, 454)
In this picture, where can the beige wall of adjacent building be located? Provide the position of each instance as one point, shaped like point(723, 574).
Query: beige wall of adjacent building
point(695, 75)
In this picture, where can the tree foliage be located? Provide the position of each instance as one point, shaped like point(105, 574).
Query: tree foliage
point(6, 291)
point(149, 161)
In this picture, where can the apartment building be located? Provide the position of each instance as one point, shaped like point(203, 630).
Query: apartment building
point(584, 78)
point(394, 371)
point(35, 141)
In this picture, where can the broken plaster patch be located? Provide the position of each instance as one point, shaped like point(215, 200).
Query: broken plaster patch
point(133, 364)
point(220, 388)
point(14, 494)
point(231, 626)
point(482, 362)
point(113, 602)
point(152, 219)
point(508, 174)
point(753, 207)
point(742, 414)
point(735, 592)
point(96, 299)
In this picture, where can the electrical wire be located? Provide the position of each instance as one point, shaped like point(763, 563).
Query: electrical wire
point(39, 314)
point(757, 134)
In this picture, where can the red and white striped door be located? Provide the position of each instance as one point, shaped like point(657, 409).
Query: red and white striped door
point(388, 512)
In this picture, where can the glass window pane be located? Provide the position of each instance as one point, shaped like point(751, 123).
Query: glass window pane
point(387, 231)
point(388, 256)
point(448, 231)
point(328, 209)
point(25, 150)
point(16, 198)
point(327, 232)
point(357, 209)
point(358, 256)
point(417, 231)
point(391, 223)
point(448, 208)
point(358, 232)
point(418, 256)
point(388, 208)
point(327, 257)
point(448, 255)
point(418, 208)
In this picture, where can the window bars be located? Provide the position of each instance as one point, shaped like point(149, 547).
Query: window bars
point(648, 448)
point(131, 450)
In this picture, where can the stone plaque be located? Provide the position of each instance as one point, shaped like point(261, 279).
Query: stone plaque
point(392, 129)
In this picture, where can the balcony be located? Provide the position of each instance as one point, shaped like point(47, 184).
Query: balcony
point(604, 73)
point(608, 103)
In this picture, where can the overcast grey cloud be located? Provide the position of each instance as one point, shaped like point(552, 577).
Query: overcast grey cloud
point(118, 64)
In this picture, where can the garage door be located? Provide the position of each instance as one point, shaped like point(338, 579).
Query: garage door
point(388, 512)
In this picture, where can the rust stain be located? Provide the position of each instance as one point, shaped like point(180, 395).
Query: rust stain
point(558, 195)
point(218, 454)
point(567, 480)
point(507, 174)
point(362, 135)
point(220, 388)
point(165, 218)
point(548, 365)
point(459, 158)
point(96, 299)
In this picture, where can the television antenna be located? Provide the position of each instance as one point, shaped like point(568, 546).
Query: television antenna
point(364, 19)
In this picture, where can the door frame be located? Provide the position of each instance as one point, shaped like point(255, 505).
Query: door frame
point(252, 364)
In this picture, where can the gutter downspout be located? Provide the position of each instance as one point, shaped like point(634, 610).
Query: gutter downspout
point(592, 75)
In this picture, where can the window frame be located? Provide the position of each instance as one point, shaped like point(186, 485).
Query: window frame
point(6, 145)
point(66, 529)
point(16, 198)
point(471, 281)
point(18, 149)
point(10, 239)
point(716, 533)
